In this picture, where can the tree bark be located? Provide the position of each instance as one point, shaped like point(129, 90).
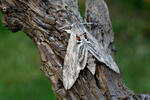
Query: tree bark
point(41, 21)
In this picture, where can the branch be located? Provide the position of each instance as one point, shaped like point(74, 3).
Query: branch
point(97, 11)
point(42, 21)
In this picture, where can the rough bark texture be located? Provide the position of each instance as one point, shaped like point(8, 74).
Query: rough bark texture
point(41, 21)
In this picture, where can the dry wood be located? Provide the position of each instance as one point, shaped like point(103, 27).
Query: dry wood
point(41, 20)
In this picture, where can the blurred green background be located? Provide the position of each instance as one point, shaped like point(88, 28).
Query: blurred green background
point(21, 78)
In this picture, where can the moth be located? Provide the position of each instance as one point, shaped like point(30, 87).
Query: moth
point(82, 50)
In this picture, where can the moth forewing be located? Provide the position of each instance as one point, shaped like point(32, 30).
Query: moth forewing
point(99, 53)
point(72, 65)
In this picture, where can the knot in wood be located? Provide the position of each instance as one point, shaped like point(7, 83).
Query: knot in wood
point(4, 9)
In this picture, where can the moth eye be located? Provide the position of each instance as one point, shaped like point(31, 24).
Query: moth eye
point(85, 36)
point(78, 38)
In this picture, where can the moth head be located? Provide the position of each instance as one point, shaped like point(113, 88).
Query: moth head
point(78, 39)
point(85, 35)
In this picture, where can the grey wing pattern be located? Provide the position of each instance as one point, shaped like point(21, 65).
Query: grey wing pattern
point(91, 64)
point(99, 53)
point(82, 56)
point(75, 60)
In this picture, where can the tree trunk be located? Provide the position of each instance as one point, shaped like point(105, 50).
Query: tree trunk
point(41, 20)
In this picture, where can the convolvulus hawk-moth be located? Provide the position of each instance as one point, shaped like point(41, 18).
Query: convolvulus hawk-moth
point(82, 45)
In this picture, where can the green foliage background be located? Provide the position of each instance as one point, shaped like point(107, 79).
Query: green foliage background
point(21, 78)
